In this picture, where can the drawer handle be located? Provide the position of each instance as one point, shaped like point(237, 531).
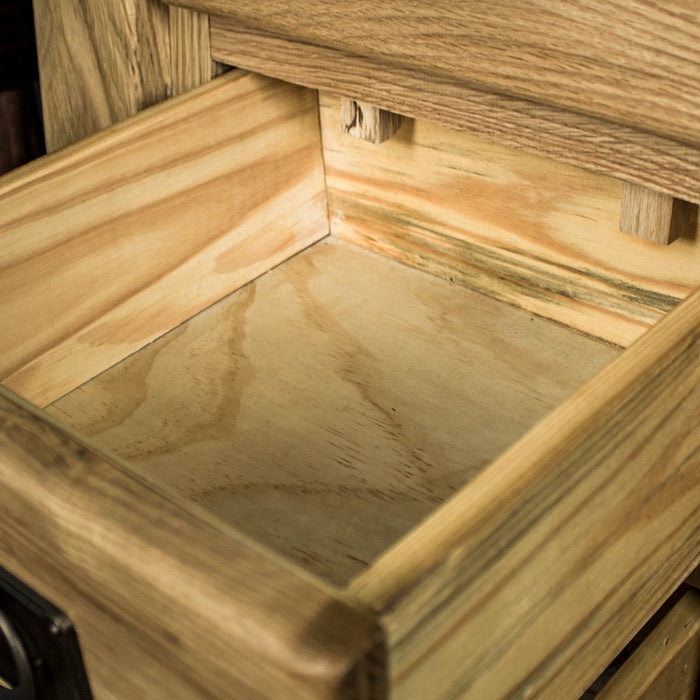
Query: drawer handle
point(39, 652)
point(20, 684)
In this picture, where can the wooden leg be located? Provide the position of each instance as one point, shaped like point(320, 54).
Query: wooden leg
point(102, 61)
point(368, 122)
point(654, 216)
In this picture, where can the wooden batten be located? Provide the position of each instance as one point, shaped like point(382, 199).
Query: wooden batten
point(190, 51)
point(654, 216)
point(365, 121)
point(535, 50)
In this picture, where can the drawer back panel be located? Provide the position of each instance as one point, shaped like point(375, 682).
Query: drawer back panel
point(525, 229)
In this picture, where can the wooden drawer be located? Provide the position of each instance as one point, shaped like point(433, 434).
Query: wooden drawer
point(288, 414)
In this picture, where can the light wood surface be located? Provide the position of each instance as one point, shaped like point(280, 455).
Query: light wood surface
point(582, 56)
point(367, 122)
point(190, 50)
point(581, 140)
point(166, 604)
point(647, 214)
point(101, 62)
point(329, 406)
point(524, 229)
point(531, 579)
point(108, 245)
point(667, 665)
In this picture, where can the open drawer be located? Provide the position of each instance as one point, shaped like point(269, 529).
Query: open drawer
point(252, 453)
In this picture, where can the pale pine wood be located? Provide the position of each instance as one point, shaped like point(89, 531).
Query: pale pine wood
point(536, 575)
point(329, 406)
point(598, 145)
point(647, 214)
point(667, 664)
point(367, 122)
point(110, 244)
point(524, 229)
point(167, 604)
point(538, 50)
point(100, 62)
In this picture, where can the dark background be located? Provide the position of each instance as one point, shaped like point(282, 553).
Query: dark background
point(21, 132)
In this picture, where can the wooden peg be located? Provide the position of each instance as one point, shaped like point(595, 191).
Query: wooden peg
point(368, 122)
point(654, 216)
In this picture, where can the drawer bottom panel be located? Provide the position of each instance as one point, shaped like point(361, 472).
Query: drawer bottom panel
point(329, 406)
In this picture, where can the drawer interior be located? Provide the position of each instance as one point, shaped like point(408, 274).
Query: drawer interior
point(327, 407)
point(449, 295)
point(372, 360)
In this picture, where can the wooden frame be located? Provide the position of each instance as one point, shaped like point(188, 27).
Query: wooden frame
point(167, 189)
point(550, 91)
point(584, 464)
point(534, 51)
point(529, 580)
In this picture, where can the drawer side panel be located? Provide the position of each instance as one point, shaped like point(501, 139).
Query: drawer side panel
point(532, 579)
point(107, 245)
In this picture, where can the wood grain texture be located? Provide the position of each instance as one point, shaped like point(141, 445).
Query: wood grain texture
point(667, 665)
point(646, 214)
point(102, 62)
point(531, 580)
point(99, 63)
point(527, 230)
point(615, 150)
point(365, 121)
point(541, 50)
point(329, 406)
point(166, 604)
point(190, 50)
point(107, 245)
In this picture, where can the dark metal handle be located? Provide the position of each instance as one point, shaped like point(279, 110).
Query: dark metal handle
point(22, 687)
point(40, 655)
